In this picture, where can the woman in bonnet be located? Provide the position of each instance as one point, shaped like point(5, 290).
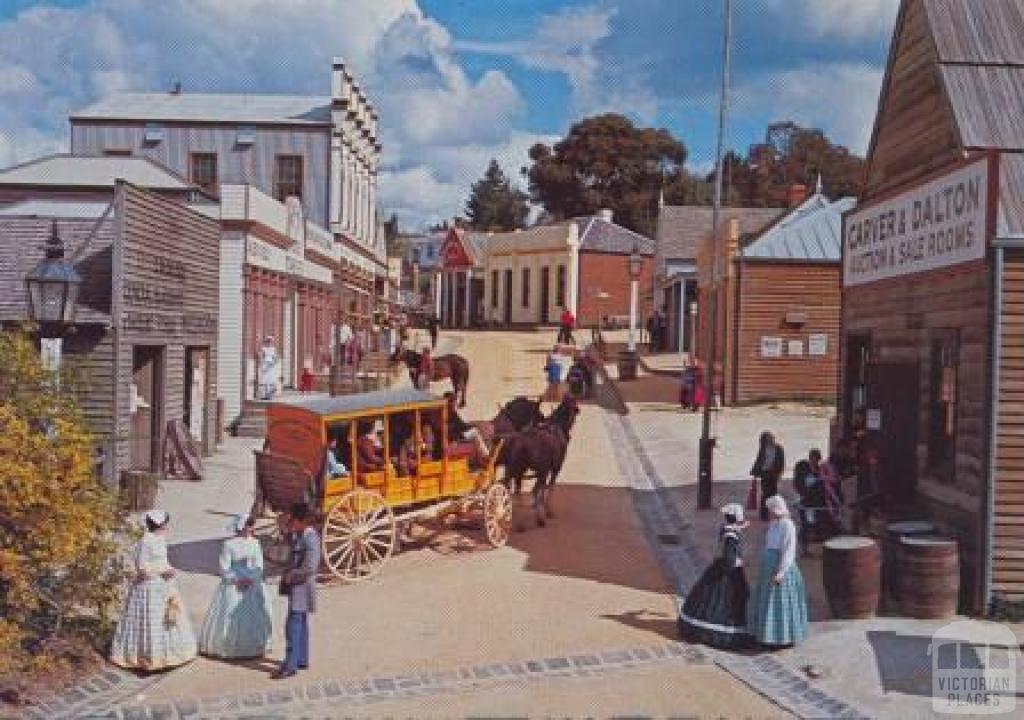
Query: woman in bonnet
point(154, 631)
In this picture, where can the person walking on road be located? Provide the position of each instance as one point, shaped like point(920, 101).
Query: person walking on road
point(432, 330)
point(768, 467)
point(299, 584)
point(566, 324)
point(553, 374)
point(777, 613)
point(715, 610)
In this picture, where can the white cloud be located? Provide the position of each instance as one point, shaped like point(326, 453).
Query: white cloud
point(841, 99)
point(842, 19)
point(54, 61)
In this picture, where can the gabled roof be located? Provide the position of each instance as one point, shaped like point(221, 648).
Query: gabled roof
point(811, 232)
point(211, 107)
point(681, 228)
point(599, 235)
point(93, 172)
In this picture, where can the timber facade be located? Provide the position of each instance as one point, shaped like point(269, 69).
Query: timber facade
point(933, 320)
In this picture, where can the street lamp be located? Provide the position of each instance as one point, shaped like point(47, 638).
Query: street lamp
point(52, 291)
point(627, 365)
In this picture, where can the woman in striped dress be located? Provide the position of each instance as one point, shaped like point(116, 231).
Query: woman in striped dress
point(777, 613)
point(154, 631)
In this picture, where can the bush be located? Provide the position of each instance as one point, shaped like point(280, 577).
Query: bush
point(61, 530)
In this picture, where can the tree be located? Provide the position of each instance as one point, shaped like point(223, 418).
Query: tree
point(61, 530)
point(494, 204)
point(606, 162)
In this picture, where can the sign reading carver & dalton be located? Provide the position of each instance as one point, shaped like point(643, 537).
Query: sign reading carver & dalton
point(938, 224)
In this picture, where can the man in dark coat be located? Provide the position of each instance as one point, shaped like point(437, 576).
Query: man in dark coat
point(768, 467)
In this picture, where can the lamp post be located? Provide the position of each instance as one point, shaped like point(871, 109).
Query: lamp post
point(707, 443)
point(52, 290)
point(628, 360)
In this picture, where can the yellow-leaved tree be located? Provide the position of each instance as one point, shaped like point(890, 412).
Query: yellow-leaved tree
point(61, 529)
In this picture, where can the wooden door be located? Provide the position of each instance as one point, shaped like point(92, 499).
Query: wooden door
point(508, 297)
point(196, 394)
point(144, 406)
point(545, 295)
point(892, 418)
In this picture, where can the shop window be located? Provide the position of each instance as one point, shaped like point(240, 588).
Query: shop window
point(943, 391)
point(202, 171)
point(494, 288)
point(526, 287)
point(287, 177)
point(560, 286)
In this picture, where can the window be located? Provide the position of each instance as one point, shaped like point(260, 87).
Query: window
point(942, 425)
point(526, 287)
point(560, 287)
point(287, 176)
point(416, 255)
point(203, 171)
point(117, 152)
point(494, 288)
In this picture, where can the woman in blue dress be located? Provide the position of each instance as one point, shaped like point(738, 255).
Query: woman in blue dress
point(715, 610)
point(777, 614)
point(238, 623)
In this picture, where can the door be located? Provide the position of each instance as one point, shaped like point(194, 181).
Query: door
point(477, 312)
point(545, 294)
point(508, 297)
point(196, 394)
point(288, 343)
point(892, 414)
point(144, 407)
point(858, 354)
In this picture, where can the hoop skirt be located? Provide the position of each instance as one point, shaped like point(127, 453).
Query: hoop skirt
point(778, 613)
point(715, 610)
point(238, 623)
point(153, 632)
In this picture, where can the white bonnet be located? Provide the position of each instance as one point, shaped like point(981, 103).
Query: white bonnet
point(734, 509)
point(777, 505)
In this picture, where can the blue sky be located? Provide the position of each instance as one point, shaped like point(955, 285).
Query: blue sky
point(457, 81)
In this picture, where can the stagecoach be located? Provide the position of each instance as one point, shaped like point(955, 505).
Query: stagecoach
point(362, 509)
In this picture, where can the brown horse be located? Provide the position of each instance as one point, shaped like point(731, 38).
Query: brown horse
point(445, 367)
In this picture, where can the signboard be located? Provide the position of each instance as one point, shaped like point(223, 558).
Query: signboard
point(771, 347)
point(795, 348)
point(874, 419)
point(817, 345)
point(262, 254)
point(939, 224)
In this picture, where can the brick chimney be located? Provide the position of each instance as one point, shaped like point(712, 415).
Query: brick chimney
point(796, 194)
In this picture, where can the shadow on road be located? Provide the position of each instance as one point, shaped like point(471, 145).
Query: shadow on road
point(649, 621)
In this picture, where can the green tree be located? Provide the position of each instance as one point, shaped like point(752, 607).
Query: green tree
point(494, 204)
point(606, 162)
point(61, 529)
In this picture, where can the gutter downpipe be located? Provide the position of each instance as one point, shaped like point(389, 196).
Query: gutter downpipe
point(996, 345)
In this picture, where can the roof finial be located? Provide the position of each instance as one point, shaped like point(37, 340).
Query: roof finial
point(817, 187)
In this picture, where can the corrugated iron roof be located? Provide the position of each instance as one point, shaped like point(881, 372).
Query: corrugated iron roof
point(811, 232)
point(599, 235)
point(55, 209)
point(556, 238)
point(211, 107)
point(682, 228)
point(1010, 220)
point(988, 104)
point(102, 171)
point(978, 31)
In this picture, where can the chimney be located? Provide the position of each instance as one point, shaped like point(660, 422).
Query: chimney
point(176, 88)
point(796, 194)
point(606, 214)
point(339, 83)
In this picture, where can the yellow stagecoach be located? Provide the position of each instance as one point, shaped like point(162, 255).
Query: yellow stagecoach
point(398, 466)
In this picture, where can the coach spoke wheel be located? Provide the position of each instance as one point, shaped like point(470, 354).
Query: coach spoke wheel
point(497, 514)
point(359, 536)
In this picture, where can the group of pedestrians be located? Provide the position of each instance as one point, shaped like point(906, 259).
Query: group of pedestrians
point(155, 633)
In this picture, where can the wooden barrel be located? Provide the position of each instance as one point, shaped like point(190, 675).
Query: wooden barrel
point(894, 531)
point(851, 570)
point(929, 576)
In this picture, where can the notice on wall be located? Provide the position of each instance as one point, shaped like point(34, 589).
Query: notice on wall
point(771, 347)
point(935, 225)
point(817, 345)
point(795, 348)
point(874, 419)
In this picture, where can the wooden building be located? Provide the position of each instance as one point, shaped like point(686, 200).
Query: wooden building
point(779, 303)
point(145, 337)
point(933, 332)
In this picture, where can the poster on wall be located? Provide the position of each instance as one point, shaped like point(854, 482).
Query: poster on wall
point(935, 225)
point(771, 347)
point(817, 345)
point(795, 348)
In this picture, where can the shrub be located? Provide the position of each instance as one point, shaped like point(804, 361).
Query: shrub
point(61, 530)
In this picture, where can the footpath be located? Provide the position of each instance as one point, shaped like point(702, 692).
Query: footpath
point(879, 668)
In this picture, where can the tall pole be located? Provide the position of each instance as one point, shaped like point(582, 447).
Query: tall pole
point(633, 293)
point(707, 443)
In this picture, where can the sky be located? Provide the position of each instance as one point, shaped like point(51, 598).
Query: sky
point(458, 82)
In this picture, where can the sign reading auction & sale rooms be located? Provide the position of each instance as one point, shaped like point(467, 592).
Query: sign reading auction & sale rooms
point(941, 223)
